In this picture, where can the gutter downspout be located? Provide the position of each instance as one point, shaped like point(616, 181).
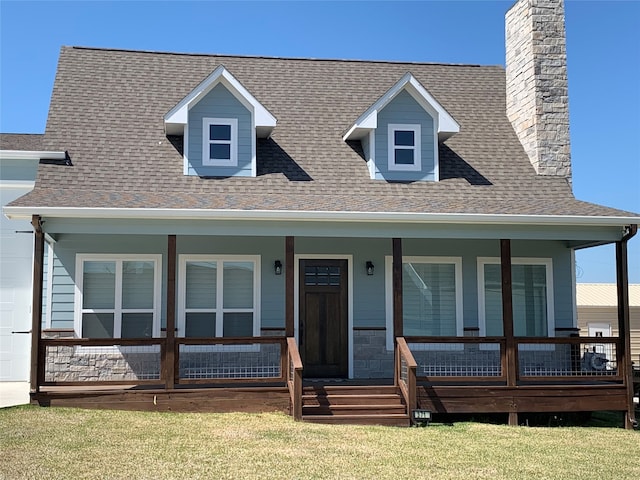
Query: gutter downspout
point(622, 277)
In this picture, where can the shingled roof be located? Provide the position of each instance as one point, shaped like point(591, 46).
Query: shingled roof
point(31, 142)
point(107, 111)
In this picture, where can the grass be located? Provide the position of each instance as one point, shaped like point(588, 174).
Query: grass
point(69, 443)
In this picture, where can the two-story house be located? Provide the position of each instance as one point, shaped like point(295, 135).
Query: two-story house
point(349, 240)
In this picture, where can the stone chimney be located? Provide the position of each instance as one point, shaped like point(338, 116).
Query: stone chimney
point(537, 93)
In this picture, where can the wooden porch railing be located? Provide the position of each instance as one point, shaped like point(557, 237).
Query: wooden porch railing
point(230, 360)
point(294, 378)
point(100, 361)
point(405, 373)
point(564, 359)
point(452, 359)
point(537, 359)
point(142, 361)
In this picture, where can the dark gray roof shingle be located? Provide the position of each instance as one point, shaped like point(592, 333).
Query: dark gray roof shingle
point(107, 110)
point(31, 142)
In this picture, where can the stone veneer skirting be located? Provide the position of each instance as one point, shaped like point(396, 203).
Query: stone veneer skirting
point(371, 357)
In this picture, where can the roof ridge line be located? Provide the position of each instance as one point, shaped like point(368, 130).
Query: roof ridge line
point(267, 57)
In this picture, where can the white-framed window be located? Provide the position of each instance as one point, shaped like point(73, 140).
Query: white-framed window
point(118, 296)
point(220, 142)
point(404, 147)
point(532, 294)
point(431, 296)
point(219, 296)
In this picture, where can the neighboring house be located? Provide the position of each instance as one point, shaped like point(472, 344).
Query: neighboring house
point(230, 228)
point(598, 313)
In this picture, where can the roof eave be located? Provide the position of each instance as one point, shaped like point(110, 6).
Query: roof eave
point(18, 212)
point(31, 155)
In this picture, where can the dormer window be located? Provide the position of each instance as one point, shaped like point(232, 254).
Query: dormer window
point(220, 122)
point(220, 142)
point(404, 147)
point(400, 133)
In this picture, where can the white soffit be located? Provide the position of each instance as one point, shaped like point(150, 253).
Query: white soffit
point(177, 118)
point(447, 125)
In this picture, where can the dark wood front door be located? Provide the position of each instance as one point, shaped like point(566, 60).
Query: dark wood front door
point(324, 318)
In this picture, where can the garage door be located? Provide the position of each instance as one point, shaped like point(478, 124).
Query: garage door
point(15, 292)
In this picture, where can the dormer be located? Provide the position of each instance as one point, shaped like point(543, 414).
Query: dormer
point(400, 133)
point(220, 122)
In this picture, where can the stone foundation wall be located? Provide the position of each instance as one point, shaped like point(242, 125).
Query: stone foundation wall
point(371, 358)
point(131, 363)
point(87, 364)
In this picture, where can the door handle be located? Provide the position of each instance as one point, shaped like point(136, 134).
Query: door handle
point(23, 331)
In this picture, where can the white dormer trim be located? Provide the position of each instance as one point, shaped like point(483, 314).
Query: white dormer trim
point(368, 121)
point(176, 120)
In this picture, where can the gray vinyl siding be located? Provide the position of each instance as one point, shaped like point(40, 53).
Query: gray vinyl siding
point(62, 294)
point(220, 103)
point(369, 307)
point(404, 109)
point(18, 170)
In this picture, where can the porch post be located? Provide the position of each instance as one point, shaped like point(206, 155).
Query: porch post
point(624, 344)
point(170, 344)
point(511, 356)
point(37, 365)
point(398, 327)
point(289, 263)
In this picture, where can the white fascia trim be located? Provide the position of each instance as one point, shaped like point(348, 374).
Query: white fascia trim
point(178, 116)
point(447, 125)
point(31, 155)
point(313, 216)
point(22, 184)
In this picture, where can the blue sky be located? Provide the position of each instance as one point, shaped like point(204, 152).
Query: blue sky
point(603, 48)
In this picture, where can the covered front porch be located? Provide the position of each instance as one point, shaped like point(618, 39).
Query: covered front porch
point(469, 372)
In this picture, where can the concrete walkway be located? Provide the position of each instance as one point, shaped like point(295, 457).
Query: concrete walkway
point(14, 393)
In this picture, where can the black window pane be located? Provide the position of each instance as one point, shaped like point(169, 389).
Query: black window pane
point(219, 132)
point(220, 151)
point(238, 325)
point(404, 156)
point(200, 324)
point(404, 138)
point(97, 325)
point(137, 325)
point(322, 275)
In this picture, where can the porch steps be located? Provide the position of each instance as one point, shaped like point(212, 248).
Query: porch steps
point(361, 405)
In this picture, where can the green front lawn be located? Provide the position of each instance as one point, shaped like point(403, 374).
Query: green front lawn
point(45, 443)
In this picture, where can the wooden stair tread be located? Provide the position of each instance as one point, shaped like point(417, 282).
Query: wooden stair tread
point(352, 400)
point(354, 404)
point(394, 419)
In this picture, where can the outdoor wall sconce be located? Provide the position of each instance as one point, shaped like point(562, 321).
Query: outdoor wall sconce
point(277, 267)
point(369, 267)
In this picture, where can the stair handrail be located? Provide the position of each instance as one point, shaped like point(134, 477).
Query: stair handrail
point(294, 377)
point(405, 373)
